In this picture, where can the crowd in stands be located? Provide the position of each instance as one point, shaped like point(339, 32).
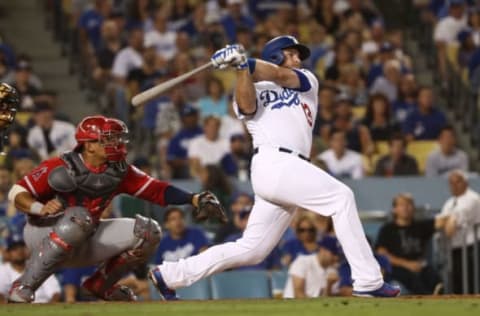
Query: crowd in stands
point(374, 119)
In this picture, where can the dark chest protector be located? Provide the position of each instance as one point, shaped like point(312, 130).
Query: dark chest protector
point(77, 180)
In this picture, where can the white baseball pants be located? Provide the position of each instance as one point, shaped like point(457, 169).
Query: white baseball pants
point(282, 182)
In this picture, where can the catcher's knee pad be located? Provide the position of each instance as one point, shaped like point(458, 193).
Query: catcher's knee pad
point(147, 233)
point(74, 227)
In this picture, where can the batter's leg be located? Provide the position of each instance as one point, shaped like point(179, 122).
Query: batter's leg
point(266, 224)
point(311, 188)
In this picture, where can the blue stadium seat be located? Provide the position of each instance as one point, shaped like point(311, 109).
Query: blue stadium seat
point(199, 290)
point(241, 284)
point(279, 279)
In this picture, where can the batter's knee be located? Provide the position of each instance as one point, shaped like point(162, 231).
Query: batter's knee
point(148, 234)
point(254, 252)
point(75, 226)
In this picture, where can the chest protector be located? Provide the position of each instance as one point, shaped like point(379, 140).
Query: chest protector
point(76, 181)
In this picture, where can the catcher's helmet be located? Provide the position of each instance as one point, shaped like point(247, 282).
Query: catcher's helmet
point(110, 132)
point(9, 102)
point(272, 51)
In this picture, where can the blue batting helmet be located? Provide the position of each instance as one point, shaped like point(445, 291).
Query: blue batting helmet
point(272, 51)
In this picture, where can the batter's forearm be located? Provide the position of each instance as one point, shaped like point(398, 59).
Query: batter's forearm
point(282, 76)
point(23, 201)
point(245, 94)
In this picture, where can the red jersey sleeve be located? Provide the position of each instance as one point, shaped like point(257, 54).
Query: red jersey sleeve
point(36, 182)
point(141, 185)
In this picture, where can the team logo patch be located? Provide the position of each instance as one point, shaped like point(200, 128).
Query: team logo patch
point(277, 100)
point(38, 174)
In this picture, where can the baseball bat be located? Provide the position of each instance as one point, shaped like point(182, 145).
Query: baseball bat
point(155, 91)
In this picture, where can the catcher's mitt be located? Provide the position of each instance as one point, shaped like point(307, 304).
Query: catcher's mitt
point(209, 207)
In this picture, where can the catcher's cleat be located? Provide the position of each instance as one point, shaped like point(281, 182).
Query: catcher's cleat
point(115, 293)
point(386, 290)
point(20, 294)
point(166, 293)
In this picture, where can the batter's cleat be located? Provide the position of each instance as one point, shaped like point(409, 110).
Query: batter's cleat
point(166, 293)
point(20, 294)
point(386, 290)
point(115, 293)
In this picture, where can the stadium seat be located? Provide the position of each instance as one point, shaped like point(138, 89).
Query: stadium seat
point(241, 284)
point(420, 149)
point(199, 290)
point(130, 206)
point(279, 279)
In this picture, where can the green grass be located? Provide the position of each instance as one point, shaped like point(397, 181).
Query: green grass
point(317, 307)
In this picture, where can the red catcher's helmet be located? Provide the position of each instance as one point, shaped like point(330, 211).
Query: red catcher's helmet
point(110, 132)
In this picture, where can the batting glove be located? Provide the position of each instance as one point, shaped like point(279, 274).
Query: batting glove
point(231, 55)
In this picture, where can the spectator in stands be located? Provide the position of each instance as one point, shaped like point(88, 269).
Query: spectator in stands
point(16, 258)
point(463, 210)
point(90, 24)
point(324, 14)
point(342, 162)
point(177, 154)
point(179, 241)
point(213, 178)
point(425, 122)
point(405, 241)
point(163, 39)
point(72, 280)
point(209, 148)
point(387, 53)
point(234, 19)
point(446, 31)
point(48, 136)
point(343, 56)
point(138, 15)
point(466, 49)
point(305, 242)
point(216, 101)
point(397, 162)
point(314, 275)
point(358, 136)
point(18, 147)
point(196, 25)
point(110, 46)
point(241, 156)
point(378, 118)
point(5, 184)
point(352, 84)
point(240, 220)
point(149, 72)
point(326, 103)
point(239, 200)
point(130, 57)
point(407, 98)
point(388, 83)
point(448, 156)
point(26, 90)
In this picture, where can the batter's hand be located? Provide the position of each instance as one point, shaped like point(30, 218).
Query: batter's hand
point(208, 206)
point(231, 55)
point(53, 206)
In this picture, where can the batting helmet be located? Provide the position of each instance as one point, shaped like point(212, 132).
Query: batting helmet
point(272, 51)
point(110, 132)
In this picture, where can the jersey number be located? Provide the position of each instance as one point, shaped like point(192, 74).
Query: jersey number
point(308, 114)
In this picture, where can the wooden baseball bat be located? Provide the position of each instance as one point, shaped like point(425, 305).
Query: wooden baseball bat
point(155, 91)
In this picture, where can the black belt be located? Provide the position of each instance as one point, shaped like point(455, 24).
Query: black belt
point(285, 150)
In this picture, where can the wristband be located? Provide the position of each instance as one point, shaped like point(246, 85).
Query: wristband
point(252, 62)
point(36, 208)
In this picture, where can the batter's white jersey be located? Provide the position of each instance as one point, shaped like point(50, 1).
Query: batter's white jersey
point(284, 117)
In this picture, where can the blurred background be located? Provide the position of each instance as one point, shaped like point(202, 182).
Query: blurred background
point(398, 112)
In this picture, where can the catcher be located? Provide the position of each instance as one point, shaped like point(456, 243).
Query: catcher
point(9, 101)
point(64, 198)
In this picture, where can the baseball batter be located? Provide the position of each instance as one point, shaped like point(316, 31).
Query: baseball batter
point(278, 102)
point(64, 198)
